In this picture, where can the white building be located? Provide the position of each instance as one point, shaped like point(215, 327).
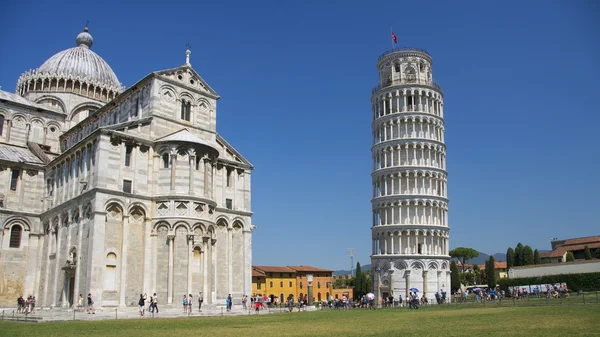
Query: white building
point(119, 191)
point(410, 204)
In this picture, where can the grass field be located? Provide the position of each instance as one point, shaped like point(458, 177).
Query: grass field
point(433, 321)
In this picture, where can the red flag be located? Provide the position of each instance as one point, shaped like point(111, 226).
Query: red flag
point(394, 38)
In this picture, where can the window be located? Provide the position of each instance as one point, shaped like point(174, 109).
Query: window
point(419, 247)
point(14, 179)
point(229, 203)
point(110, 276)
point(290, 284)
point(229, 177)
point(271, 284)
point(134, 110)
point(258, 285)
point(127, 186)
point(15, 236)
point(319, 285)
point(128, 150)
point(300, 284)
point(1, 124)
point(281, 284)
point(165, 159)
point(186, 108)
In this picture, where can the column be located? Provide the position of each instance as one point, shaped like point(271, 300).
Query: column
point(407, 295)
point(147, 251)
point(192, 170)
point(58, 258)
point(397, 101)
point(124, 248)
point(173, 170)
point(390, 103)
point(385, 245)
point(424, 282)
point(205, 266)
point(214, 270)
point(206, 171)
point(230, 260)
point(404, 97)
point(408, 243)
point(153, 258)
point(190, 241)
point(170, 239)
point(212, 179)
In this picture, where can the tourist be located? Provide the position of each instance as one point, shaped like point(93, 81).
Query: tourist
point(229, 302)
point(20, 304)
point(200, 300)
point(156, 303)
point(184, 304)
point(190, 301)
point(91, 309)
point(244, 300)
point(80, 302)
point(151, 306)
point(33, 305)
point(142, 304)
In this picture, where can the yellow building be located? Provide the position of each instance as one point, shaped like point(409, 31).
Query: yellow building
point(279, 282)
point(322, 282)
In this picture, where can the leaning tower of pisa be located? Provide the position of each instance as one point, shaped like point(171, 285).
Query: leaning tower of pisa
point(410, 202)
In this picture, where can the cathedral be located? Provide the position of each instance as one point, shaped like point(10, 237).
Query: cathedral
point(118, 191)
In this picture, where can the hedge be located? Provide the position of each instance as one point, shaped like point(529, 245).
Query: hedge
point(585, 281)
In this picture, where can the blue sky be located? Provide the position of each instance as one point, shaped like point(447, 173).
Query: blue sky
point(520, 80)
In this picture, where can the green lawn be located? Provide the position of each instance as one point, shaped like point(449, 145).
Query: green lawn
point(489, 321)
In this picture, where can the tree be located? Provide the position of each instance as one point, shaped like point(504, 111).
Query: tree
point(476, 274)
point(510, 258)
point(518, 255)
point(537, 258)
point(358, 282)
point(598, 253)
point(464, 254)
point(368, 283)
point(491, 272)
point(454, 277)
point(588, 253)
point(570, 257)
point(527, 256)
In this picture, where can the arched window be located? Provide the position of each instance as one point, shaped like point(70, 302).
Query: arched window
point(165, 159)
point(110, 276)
point(15, 236)
point(186, 108)
point(1, 124)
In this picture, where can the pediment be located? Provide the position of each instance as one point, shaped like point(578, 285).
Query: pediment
point(187, 77)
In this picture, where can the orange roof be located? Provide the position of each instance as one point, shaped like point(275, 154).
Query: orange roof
point(274, 269)
point(500, 265)
point(560, 251)
point(310, 269)
point(579, 241)
point(257, 273)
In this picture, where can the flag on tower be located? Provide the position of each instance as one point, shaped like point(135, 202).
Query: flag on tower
point(394, 38)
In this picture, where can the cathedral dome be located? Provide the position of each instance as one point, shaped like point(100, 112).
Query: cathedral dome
point(81, 62)
point(73, 67)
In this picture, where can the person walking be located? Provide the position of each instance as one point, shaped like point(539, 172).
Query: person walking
point(90, 300)
point(190, 301)
point(142, 305)
point(80, 302)
point(156, 303)
point(200, 300)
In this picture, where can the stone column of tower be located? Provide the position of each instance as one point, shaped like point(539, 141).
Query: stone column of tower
point(410, 204)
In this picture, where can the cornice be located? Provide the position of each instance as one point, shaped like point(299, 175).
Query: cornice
point(407, 197)
point(407, 114)
point(398, 169)
point(393, 142)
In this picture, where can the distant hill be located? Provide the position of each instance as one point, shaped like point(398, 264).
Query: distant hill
point(478, 260)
